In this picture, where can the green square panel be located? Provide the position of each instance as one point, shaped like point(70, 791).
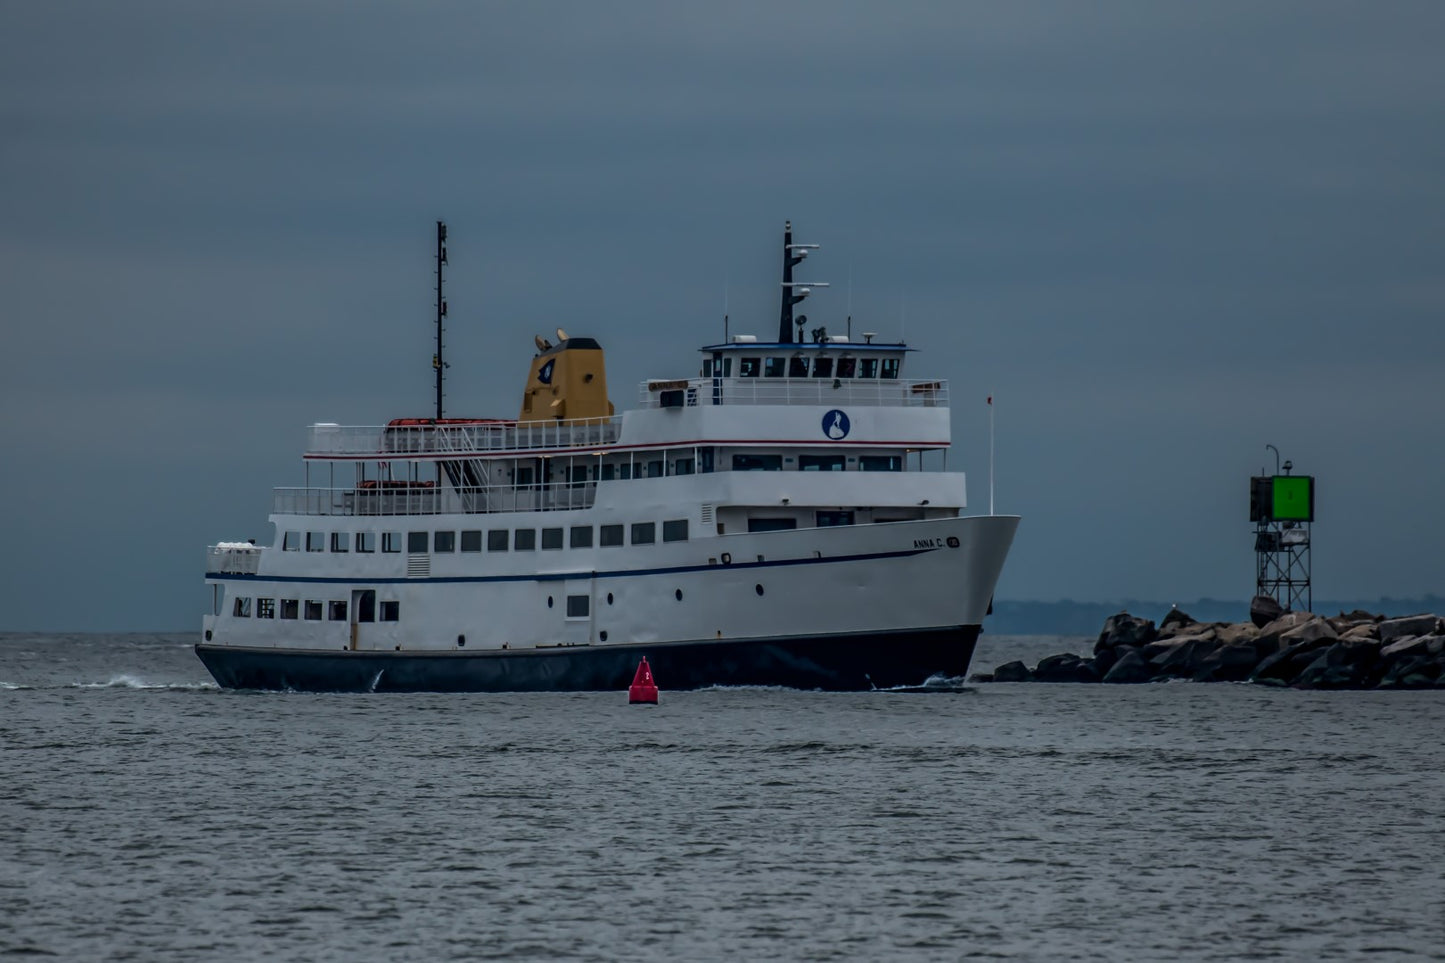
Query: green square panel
point(1294, 498)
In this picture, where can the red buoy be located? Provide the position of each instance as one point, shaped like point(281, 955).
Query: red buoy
point(643, 690)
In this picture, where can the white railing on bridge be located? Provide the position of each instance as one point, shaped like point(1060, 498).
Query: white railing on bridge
point(557, 496)
point(233, 558)
point(402, 441)
point(882, 392)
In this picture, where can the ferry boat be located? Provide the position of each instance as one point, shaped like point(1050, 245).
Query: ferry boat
point(769, 522)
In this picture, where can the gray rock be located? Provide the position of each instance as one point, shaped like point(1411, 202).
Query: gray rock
point(1125, 629)
point(1264, 610)
point(1130, 668)
point(1228, 663)
point(1284, 667)
point(1311, 631)
point(1342, 665)
point(1104, 661)
point(1065, 667)
point(1013, 672)
point(1175, 616)
point(981, 677)
point(1407, 647)
point(1361, 630)
point(1237, 633)
point(1184, 661)
point(1393, 629)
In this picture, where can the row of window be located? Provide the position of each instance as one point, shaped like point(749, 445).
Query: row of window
point(804, 367)
point(498, 539)
point(658, 468)
point(309, 610)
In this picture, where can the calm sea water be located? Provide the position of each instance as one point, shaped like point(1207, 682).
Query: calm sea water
point(146, 815)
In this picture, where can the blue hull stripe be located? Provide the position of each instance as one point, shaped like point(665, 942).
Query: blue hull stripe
point(561, 576)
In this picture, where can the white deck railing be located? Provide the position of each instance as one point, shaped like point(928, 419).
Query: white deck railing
point(433, 501)
point(233, 559)
point(404, 440)
point(794, 391)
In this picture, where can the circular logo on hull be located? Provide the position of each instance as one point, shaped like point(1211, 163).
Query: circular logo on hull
point(836, 425)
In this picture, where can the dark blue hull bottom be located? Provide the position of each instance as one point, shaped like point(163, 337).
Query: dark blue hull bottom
point(850, 662)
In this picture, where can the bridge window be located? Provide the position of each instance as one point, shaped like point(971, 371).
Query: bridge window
point(774, 367)
point(821, 463)
point(823, 368)
point(880, 463)
point(749, 367)
point(757, 462)
point(291, 542)
point(610, 535)
point(655, 469)
point(265, 608)
point(444, 542)
point(366, 542)
point(526, 540)
point(289, 609)
point(390, 611)
point(675, 530)
point(644, 533)
point(472, 540)
point(313, 610)
point(868, 367)
point(551, 538)
point(830, 519)
point(416, 542)
point(683, 466)
point(391, 541)
point(340, 541)
point(772, 524)
point(315, 541)
point(890, 368)
point(497, 539)
point(241, 608)
point(797, 367)
point(847, 367)
point(581, 536)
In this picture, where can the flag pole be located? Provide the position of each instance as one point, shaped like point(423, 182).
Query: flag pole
point(990, 454)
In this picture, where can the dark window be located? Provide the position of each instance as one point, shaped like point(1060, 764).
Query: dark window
point(748, 367)
point(654, 469)
point(797, 367)
point(337, 611)
point(727, 368)
point(366, 541)
point(823, 368)
point(757, 462)
point(391, 541)
point(704, 460)
point(340, 541)
point(265, 608)
point(610, 535)
point(609, 472)
point(644, 533)
point(289, 608)
point(445, 542)
point(366, 606)
point(526, 540)
point(771, 524)
point(525, 477)
point(313, 610)
point(880, 462)
point(774, 367)
point(391, 611)
point(578, 606)
point(847, 367)
point(472, 541)
point(707, 368)
point(829, 519)
point(675, 530)
point(291, 542)
point(683, 466)
point(624, 472)
point(241, 609)
point(581, 536)
point(890, 368)
point(315, 541)
point(416, 542)
point(551, 538)
point(497, 539)
point(868, 368)
point(577, 475)
point(821, 463)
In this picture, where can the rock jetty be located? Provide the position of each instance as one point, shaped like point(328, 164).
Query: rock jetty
point(1357, 650)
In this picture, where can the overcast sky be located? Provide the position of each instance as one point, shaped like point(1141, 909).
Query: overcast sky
point(1161, 235)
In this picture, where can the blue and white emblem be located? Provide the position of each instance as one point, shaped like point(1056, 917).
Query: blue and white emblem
point(544, 374)
point(836, 425)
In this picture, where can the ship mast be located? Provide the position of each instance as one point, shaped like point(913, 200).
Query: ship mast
point(793, 291)
point(437, 362)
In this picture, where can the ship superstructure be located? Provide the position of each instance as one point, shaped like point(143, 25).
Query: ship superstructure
point(767, 522)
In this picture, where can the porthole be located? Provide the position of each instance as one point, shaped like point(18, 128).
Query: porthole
point(461, 641)
point(549, 601)
point(602, 635)
point(677, 595)
point(208, 634)
point(609, 598)
point(758, 588)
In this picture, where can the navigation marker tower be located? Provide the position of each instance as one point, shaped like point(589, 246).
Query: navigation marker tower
point(1282, 508)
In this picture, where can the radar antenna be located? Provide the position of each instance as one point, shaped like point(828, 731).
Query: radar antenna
point(438, 363)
